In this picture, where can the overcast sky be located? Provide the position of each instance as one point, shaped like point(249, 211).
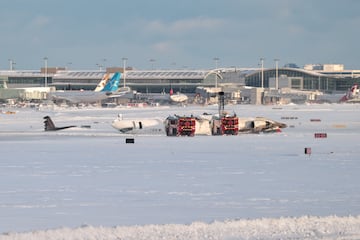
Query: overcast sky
point(80, 34)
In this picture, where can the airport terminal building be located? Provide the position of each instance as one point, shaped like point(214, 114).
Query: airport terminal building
point(329, 78)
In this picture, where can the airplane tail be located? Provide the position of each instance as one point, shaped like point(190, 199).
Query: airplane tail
point(352, 93)
point(50, 126)
point(102, 83)
point(113, 84)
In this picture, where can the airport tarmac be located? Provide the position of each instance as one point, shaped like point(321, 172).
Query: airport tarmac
point(91, 177)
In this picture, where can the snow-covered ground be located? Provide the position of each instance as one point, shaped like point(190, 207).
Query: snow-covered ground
point(86, 183)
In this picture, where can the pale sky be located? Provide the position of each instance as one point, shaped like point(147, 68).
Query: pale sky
point(80, 34)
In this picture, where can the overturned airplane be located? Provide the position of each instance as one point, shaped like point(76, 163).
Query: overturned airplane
point(205, 124)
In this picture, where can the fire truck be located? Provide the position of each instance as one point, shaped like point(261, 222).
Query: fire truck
point(180, 126)
point(225, 125)
point(230, 125)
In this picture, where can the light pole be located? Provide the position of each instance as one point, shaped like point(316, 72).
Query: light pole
point(216, 59)
point(276, 73)
point(152, 63)
point(11, 64)
point(104, 65)
point(45, 60)
point(262, 72)
point(124, 69)
point(99, 66)
point(69, 64)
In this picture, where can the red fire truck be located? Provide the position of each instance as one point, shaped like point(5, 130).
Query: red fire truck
point(229, 125)
point(180, 126)
point(226, 125)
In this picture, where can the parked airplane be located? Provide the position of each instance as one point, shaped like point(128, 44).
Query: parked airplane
point(178, 98)
point(102, 83)
point(352, 96)
point(163, 97)
point(109, 90)
point(50, 126)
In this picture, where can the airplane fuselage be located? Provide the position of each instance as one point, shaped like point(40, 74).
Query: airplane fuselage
point(139, 126)
point(163, 97)
point(79, 96)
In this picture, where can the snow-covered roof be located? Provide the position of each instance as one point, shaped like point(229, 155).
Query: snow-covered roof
point(251, 71)
point(173, 74)
point(21, 73)
point(79, 74)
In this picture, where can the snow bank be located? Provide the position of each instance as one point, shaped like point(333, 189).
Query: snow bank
point(331, 227)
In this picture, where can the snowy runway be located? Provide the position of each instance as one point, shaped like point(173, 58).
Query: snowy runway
point(90, 176)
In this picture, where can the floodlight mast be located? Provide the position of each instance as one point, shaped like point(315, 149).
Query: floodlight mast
point(262, 72)
point(216, 59)
point(221, 103)
point(46, 63)
point(277, 73)
point(124, 69)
